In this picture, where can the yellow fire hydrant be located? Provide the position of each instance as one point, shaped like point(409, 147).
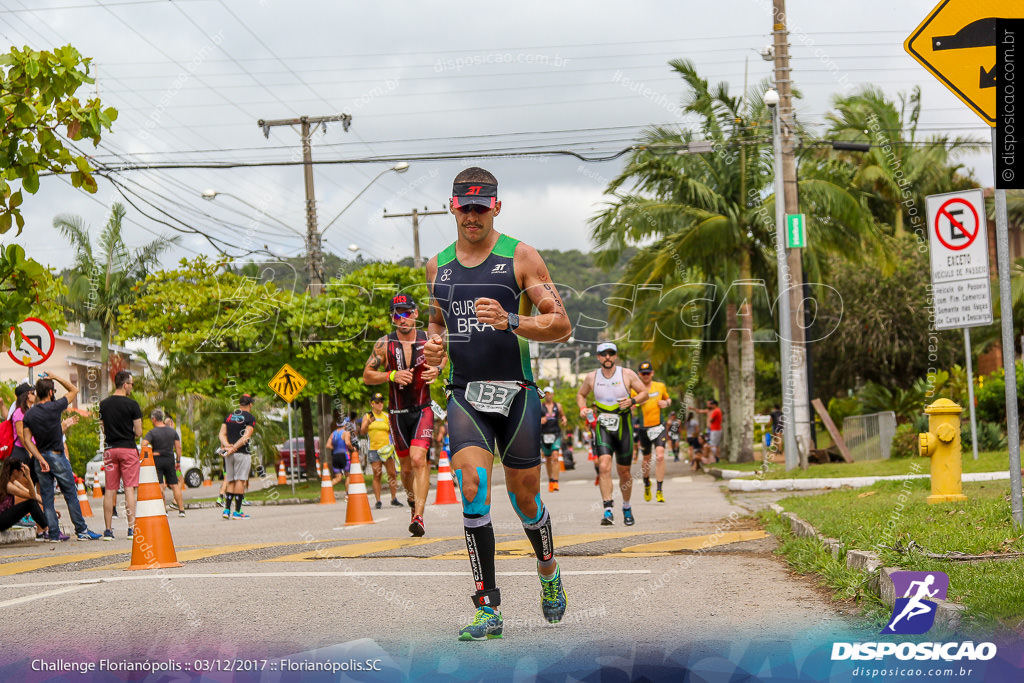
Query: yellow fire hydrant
point(941, 443)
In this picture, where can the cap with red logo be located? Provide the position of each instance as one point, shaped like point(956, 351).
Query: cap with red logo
point(480, 194)
point(402, 302)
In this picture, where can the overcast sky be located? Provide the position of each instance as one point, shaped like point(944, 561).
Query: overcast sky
point(192, 77)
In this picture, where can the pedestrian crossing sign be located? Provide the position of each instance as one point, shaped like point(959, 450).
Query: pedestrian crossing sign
point(287, 383)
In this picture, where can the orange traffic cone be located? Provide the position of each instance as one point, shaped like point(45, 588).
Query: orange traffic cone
point(326, 487)
point(358, 509)
point(445, 494)
point(83, 500)
point(207, 481)
point(97, 488)
point(561, 462)
point(152, 546)
point(282, 476)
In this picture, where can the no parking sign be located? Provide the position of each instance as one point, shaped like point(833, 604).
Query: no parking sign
point(31, 342)
point(958, 237)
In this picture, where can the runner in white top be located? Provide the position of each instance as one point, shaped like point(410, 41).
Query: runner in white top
point(613, 434)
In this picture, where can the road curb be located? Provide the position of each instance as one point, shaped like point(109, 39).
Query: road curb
point(17, 536)
point(753, 485)
point(282, 501)
point(947, 614)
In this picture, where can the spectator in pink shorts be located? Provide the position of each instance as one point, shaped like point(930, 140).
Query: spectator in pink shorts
point(121, 417)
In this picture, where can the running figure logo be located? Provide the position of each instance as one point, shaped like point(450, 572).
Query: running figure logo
point(914, 613)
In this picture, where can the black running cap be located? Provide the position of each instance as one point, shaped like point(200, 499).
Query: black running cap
point(480, 194)
point(402, 301)
point(646, 367)
point(377, 397)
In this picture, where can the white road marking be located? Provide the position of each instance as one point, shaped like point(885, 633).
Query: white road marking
point(683, 480)
point(77, 586)
point(73, 585)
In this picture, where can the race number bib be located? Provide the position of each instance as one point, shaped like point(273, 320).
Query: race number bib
point(654, 432)
point(492, 397)
point(548, 438)
point(609, 421)
point(439, 412)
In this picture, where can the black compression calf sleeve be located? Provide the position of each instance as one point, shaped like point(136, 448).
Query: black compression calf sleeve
point(541, 538)
point(239, 497)
point(480, 544)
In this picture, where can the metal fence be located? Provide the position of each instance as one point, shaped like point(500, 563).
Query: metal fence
point(869, 437)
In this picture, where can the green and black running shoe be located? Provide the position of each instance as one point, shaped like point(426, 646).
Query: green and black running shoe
point(486, 625)
point(552, 597)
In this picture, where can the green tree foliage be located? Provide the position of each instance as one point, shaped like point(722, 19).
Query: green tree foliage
point(881, 331)
point(83, 440)
point(27, 289)
point(105, 276)
point(37, 99)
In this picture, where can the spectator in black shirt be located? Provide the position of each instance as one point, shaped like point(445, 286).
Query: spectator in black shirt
point(234, 436)
point(121, 417)
point(166, 456)
point(44, 440)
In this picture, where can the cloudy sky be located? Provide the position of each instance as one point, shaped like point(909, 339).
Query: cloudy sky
point(191, 78)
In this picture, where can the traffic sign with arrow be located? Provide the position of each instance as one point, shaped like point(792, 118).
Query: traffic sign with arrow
point(957, 43)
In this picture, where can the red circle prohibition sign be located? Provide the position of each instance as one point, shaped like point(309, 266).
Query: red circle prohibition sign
point(45, 354)
point(956, 224)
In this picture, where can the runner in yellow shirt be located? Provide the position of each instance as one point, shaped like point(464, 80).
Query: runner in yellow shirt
point(377, 429)
point(652, 431)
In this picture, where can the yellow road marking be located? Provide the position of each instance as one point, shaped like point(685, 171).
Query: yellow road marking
point(201, 553)
point(524, 547)
point(358, 549)
point(11, 568)
point(696, 542)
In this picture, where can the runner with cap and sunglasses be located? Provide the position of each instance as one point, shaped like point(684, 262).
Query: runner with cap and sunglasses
point(652, 431)
point(552, 420)
point(613, 436)
point(481, 290)
point(397, 358)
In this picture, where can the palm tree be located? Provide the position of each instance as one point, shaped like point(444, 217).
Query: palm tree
point(900, 169)
point(104, 278)
point(712, 213)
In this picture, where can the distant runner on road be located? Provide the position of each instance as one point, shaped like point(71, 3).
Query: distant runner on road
point(552, 419)
point(611, 385)
point(652, 431)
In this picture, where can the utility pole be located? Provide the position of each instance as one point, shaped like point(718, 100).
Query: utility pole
point(784, 86)
point(314, 255)
point(314, 261)
point(417, 260)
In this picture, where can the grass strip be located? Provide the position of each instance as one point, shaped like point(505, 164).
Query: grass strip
point(992, 461)
point(887, 516)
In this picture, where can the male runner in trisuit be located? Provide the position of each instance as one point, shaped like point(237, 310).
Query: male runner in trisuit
point(478, 319)
point(613, 435)
point(397, 358)
point(552, 419)
point(652, 431)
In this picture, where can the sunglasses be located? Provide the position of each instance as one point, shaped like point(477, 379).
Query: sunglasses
point(647, 372)
point(607, 353)
point(401, 315)
point(474, 208)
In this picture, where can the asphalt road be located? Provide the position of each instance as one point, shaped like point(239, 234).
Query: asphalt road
point(693, 575)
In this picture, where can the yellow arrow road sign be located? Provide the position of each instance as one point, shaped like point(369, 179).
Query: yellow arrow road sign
point(957, 43)
point(287, 383)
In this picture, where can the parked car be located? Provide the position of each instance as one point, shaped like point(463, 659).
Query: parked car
point(191, 473)
point(293, 454)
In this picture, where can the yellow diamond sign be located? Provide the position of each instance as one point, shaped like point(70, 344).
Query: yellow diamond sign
point(287, 383)
point(957, 43)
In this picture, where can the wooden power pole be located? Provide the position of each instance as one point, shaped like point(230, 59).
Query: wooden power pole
point(417, 260)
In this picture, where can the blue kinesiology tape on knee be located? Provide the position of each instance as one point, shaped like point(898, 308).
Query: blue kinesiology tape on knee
point(523, 517)
point(477, 506)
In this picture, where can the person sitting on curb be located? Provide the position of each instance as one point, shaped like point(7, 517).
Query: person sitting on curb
point(19, 497)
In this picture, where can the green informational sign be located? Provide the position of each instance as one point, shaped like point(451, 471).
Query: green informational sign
point(796, 231)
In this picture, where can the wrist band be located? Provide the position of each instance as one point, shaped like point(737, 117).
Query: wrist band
point(391, 375)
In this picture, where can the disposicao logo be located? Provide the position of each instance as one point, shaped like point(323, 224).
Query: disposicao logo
point(914, 614)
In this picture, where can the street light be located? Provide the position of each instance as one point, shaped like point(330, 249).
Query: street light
point(400, 167)
point(771, 99)
point(210, 195)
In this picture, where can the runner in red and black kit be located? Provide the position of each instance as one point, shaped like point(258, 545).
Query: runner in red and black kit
point(397, 358)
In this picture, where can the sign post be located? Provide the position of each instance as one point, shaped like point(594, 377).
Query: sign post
point(962, 297)
point(287, 384)
point(957, 42)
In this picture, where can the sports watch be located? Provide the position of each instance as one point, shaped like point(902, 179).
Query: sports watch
point(513, 322)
